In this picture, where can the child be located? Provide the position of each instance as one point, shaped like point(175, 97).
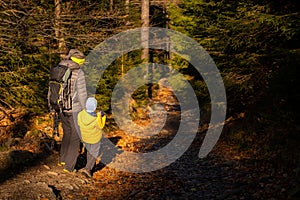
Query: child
point(91, 125)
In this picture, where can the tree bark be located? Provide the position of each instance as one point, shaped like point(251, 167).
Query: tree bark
point(145, 33)
point(111, 5)
point(145, 42)
point(127, 6)
point(57, 28)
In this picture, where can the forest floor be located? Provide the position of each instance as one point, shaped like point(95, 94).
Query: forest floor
point(29, 170)
point(220, 175)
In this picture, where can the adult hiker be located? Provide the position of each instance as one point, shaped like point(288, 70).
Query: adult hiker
point(91, 125)
point(70, 145)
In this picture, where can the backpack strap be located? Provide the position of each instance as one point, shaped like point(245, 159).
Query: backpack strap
point(66, 75)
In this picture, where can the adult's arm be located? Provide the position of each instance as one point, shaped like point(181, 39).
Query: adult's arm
point(81, 89)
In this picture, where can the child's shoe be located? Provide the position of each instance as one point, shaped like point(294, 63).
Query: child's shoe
point(87, 173)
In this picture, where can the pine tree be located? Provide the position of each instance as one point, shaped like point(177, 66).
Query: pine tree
point(247, 40)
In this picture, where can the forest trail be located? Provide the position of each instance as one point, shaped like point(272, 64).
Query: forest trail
point(218, 176)
point(188, 178)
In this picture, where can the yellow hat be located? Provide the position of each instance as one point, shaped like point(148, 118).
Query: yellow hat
point(79, 61)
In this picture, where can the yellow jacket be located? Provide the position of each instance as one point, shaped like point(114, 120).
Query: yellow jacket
point(90, 127)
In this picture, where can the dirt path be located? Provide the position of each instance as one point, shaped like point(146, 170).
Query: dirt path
point(37, 176)
point(188, 178)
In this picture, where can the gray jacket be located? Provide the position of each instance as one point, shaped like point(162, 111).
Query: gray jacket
point(78, 86)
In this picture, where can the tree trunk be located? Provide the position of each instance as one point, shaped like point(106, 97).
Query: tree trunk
point(111, 5)
point(127, 6)
point(145, 42)
point(145, 33)
point(57, 28)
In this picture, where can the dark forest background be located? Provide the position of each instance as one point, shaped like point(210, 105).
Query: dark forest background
point(255, 45)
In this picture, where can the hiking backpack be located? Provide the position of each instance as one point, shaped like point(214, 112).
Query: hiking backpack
point(59, 93)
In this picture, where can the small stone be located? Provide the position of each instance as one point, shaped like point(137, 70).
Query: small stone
point(46, 167)
point(70, 187)
point(27, 181)
point(53, 173)
point(75, 186)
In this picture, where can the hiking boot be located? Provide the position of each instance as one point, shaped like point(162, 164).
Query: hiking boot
point(61, 164)
point(87, 173)
point(67, 171)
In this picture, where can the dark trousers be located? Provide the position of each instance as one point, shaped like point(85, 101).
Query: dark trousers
point(69, 150)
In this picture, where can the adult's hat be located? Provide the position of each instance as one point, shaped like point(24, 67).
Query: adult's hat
point(76, 56)
point(91, 104)
point(75, 53)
